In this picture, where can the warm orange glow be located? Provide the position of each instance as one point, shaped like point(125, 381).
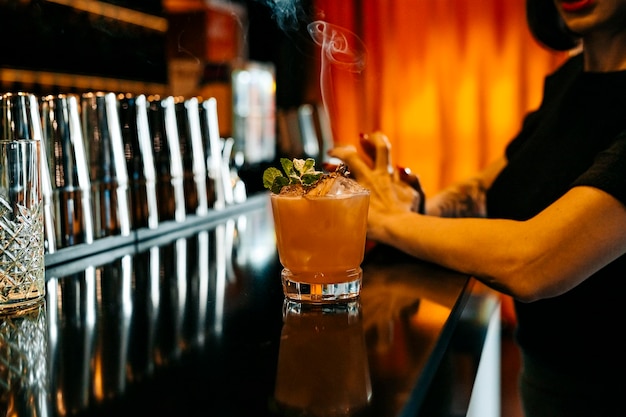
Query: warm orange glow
point(448, 81)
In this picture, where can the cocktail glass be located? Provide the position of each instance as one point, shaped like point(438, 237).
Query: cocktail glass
point(321, 244)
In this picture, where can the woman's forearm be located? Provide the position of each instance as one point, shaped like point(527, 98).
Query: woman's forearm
point(538, 258)
point(469, 245)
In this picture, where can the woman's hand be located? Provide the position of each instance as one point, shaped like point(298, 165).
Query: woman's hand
point(391, 190)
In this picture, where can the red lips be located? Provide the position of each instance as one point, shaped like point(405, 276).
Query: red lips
point(573, 6)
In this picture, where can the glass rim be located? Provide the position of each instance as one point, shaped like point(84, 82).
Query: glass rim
point(321, 197)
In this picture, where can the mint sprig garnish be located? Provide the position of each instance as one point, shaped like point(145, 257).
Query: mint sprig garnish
point(298, 171)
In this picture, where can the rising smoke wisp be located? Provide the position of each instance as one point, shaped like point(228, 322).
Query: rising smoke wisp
point(338, 48)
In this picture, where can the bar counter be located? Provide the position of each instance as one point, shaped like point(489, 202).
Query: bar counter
point(194, 322)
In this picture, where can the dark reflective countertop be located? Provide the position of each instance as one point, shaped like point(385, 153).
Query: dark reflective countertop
point(195, 323)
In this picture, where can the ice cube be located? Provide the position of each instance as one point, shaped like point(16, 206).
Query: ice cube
point(336, 185)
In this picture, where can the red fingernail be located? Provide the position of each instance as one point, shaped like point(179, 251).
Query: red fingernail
point(403, 170)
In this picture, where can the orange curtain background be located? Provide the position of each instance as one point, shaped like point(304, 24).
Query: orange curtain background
point(448, 81)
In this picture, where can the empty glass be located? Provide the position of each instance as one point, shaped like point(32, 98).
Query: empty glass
point(107, 166)
point(139, 160)
point(167, 159)
point(192, 153)
point(22, 279)
point(209, 125)
point(65, 153)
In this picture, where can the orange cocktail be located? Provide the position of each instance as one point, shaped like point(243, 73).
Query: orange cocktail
point(321, 244)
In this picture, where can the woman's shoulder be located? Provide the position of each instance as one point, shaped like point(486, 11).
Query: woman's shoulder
point(571, 67)
point(561, 80)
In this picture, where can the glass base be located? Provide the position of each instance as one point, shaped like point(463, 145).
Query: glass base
point(295, 289)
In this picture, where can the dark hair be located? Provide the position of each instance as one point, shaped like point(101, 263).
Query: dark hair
point(547, 27)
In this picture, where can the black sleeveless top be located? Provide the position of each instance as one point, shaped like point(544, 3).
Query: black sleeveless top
point(576, 137)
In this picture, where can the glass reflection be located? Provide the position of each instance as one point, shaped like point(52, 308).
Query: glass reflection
point(322, 361)
point(173, 291)
point(224, 273)
point(114, 312)
point(23, 366)
point(198, 296)
point(115, 319)
point(72, 316)
point(145, 296)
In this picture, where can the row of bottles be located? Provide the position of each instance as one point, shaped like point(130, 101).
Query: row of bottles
point(114, 163)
